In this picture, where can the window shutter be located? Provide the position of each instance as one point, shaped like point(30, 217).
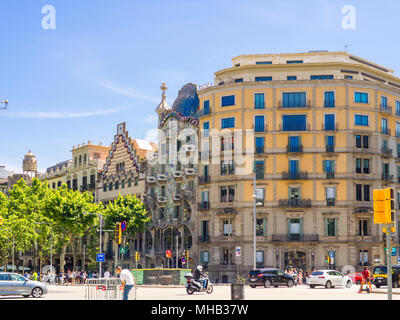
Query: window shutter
point(265, 227)
point(324, 165)
point(288, 225)
point(301, 226)
point(336, 225)
point(326, 226)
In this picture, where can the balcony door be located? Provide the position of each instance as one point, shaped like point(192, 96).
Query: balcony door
point(295, 226)
point(294, 143)
point(293, 168)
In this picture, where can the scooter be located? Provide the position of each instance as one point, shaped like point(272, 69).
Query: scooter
point(193, 286)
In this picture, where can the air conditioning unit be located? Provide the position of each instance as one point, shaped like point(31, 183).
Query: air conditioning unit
point(190, 171)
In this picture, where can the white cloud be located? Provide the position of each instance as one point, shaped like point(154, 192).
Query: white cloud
point(126, 91)
point(60, 115)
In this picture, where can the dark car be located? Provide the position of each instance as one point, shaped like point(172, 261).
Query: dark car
point(270, 277)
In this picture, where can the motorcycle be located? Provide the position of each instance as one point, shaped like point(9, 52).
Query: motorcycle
point(194, 286)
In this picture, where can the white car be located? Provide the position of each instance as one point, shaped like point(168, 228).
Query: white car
point(328, 279)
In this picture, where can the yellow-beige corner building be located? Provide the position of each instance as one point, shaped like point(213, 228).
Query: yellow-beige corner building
point(326, 133)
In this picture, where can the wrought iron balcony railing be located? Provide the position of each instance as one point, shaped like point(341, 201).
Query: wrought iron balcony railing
point(295, 203)
point(294, 175)
point(295, 237)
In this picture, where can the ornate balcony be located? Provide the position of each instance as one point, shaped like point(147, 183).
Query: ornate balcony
point(151, 179)
point(330, 148)
point(190, 171)
point(177, 197)
point(204, 238)
point(204, 179)
point(294, 148)
point(161, 178)
point(295, 203)
point(205, 205)
point(162, 199)
point(330, 175)
point(330, 202)
point(294, 175)
point(295, 237)
point(178, 174)
point(227, 211)
point(386, 152)
point(387, 177)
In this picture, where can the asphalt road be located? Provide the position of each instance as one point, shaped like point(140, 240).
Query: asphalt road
point(223, 293)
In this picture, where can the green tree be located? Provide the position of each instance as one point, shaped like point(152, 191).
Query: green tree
point(66, 208)
point(129, 209)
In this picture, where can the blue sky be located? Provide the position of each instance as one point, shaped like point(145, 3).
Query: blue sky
point(105, 61)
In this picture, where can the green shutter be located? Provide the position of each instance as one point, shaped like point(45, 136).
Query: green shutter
point(265, 227)
point(324, 165)
point(336, 225)
point(326, 226)
point(288, 225)
point(301, 226)
point(202, 256)
point(333, 166)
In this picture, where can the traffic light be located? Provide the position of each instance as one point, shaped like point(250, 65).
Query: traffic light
point(137, 256)
point(384, 205)
point(117, 234)
point(1, 221)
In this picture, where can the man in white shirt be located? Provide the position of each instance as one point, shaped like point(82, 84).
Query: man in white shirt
point(127, 280)
point(106, 274)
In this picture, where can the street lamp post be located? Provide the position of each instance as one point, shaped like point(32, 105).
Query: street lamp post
point(101, 222)
point(255, 221)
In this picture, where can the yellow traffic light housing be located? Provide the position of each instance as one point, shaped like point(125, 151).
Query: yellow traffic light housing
point(384, 206)
point(1, 220)
point(117, 234)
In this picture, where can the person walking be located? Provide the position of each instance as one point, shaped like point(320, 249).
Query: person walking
point(365, 280)
point(300, 278)
point(107, 274)
point(127, 281)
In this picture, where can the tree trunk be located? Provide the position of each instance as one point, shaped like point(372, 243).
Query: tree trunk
point(62, 257)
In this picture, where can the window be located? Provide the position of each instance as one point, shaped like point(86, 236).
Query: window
point(384, 126)
point(294, 226)
point(260, 196)
point(227, 194)
point(360, 120)
point(321, 77)
point(397, 130)
point(294, 193)
point(294, 143)
point(206, 129)
point(331, 227)
point(364, 257)
point(365, 142)
point(259, 169)
point(227, 167)
point(227, 143)
point(263, 62)
point(330, 196)
point(328, 165)
point(227, 101)
point(263, 79)
point(204, 257)
point(259, 102)
point(348, 77)
point(366, 193)
point(227, 123)
point(360, 97)
point(294, 100)
point(397, 107)
point(362, 227)
point(259, 145)
point(239, 80)
point(329, 122)
point(294, 123)
point(358, 192)
point(383, 103)
point(293, 168)
point(261, 227)
point(358, 165)
point(204, 196)
point(294, 61)
point(227, 227)
point(291, 78)
point(329, 99)
point(206, 107)
point(260, 259)
point(259, 124)
point(366, 166)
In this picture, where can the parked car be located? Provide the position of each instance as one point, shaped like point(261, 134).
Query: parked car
point(328, 279)
point(269, 277)
point(356, 277)
point(13, 284)
point(379, 275)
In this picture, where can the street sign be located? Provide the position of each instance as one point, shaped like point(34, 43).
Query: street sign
point(168, 254)
point(183, 260)
point(238, 251)
point(100, 257)
point(398, 260)
point(122, 250)
point(123, 225)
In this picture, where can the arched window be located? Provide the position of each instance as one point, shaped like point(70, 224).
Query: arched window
point(84, 158)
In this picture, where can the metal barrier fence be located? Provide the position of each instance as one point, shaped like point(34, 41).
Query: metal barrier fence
point(106, 289)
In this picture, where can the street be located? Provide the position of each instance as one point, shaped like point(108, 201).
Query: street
point(222, 292)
